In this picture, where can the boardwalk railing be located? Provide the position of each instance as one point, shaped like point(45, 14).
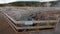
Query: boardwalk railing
point(37, 25)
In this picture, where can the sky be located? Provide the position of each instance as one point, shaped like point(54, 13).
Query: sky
point(8, 1)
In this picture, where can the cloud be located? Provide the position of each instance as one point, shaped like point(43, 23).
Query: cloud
point(6, 1)
point(47, 0)
point(38, 0)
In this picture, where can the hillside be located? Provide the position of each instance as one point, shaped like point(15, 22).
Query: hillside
point(25, 3)
point(32, 3)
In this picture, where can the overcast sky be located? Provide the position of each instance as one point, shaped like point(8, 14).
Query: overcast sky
point(7, 1)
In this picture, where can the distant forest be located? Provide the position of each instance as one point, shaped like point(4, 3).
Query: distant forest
point(25, 3)
point(28, 3)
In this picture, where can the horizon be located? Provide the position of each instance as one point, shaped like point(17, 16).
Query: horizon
point(9, 1)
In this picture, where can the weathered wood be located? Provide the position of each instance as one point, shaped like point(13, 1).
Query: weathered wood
point(15, 25)
point(16, 28)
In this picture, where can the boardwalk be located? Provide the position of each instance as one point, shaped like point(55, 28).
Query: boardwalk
point(6, 29)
